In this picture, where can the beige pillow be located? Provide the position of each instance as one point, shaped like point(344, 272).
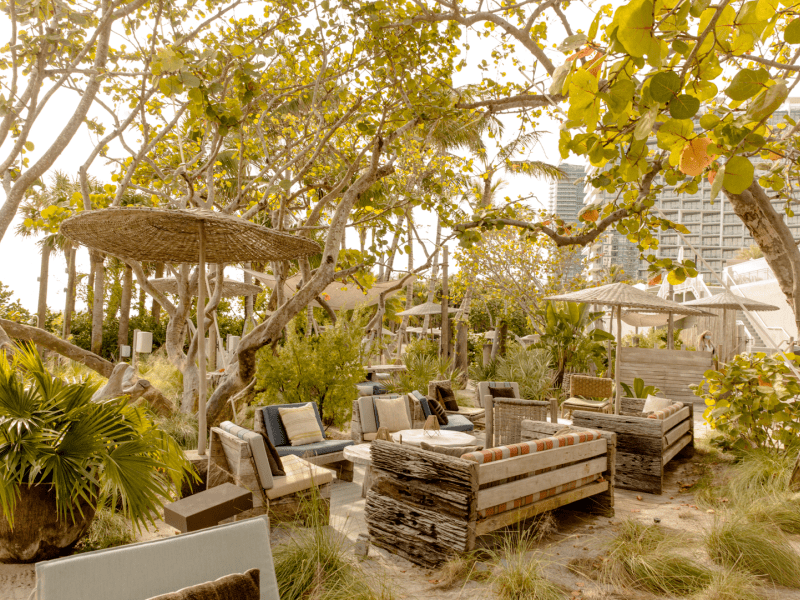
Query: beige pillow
point(457, 451)
point(654, 403)
point(301, 425)
point(392, 413)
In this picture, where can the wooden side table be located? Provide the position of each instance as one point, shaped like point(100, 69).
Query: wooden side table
point(208, 508)
point(361, 454)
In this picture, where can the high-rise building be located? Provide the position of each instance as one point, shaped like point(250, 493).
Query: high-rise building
point(566, 201)
point(716, 232)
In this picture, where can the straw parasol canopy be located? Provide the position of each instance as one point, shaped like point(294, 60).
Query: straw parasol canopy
point(230, 287)
point(637, 318)
point(184, 236)
point(619, 296)
point(730, 301)
point(429, 308)
point(161, 235)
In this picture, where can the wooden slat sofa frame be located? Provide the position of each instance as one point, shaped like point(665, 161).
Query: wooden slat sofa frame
point(231, 459)
point(427, 506)
point(644, 445)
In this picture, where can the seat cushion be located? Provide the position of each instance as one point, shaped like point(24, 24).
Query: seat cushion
point(369, 437)
point(583, 402)
point(548, 443)
point(455, 451)
point(458, 423)
point(300, 475)
point(301, 425)
point(315, 449)
point(393, 413)
point(666, 412)
point(274, 424)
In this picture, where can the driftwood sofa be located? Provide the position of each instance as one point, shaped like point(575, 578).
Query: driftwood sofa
point(239, 456)
point(644, 444)
point(427, 506)
point(327, 453)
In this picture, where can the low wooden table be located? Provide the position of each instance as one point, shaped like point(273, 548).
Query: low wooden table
point(208, 508)
point(434, 438)
point(372, 369)
point(361, 454)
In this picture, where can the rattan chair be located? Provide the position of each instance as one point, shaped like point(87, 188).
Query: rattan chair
point(582, 389)
point(508, 416)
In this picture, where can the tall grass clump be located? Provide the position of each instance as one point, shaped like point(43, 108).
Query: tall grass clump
point(519, 574)
point(182, 427)
point(731, 584)
point(159, 371)
point(314, 564)
point(108, 529)
point(646, 556)
point(460, 568)
point(759, 548)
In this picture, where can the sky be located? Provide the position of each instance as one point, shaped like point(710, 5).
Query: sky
point(21, 260)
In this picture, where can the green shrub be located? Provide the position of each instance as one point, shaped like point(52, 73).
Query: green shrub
point(530, 368)
point(108, 529)
point(759, 548)
point(751, 402)
point(323, 369)
point(639, 389)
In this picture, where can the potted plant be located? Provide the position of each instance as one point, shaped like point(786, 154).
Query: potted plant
point(63, 455)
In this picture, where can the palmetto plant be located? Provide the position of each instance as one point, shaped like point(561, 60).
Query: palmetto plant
point(52, 434)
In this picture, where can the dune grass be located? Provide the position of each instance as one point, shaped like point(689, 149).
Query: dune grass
point(731, 584)
point(647, 557)
point(519, 572)
point(108, 529)
point(759, 548)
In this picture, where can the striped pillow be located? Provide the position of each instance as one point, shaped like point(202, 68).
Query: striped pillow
point(301, 425)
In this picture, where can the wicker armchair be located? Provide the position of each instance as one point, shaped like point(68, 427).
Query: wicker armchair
point(582, 389)
point(505, 415)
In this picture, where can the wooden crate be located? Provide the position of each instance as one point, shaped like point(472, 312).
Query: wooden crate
point(426, 506)
point(644, 446)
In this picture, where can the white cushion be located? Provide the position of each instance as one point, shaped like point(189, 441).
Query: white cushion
point(301, 425)
point(300, 475)
point(393, 413)
point(654, 403)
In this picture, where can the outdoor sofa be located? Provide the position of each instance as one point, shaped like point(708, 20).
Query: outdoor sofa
point(327, 453)
point(645, 444)
point(426, 506)
point(239, 456)
point(162, 566)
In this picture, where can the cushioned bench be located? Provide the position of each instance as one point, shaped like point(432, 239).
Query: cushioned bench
point(645, 444)
point(426, 506)
point(327, 453)
point(239, 456)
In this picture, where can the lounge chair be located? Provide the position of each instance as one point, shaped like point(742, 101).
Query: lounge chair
point(582, 391)
point(239, 456)
point(365, 423)
point(157, 567)
point(427, 506)
point(327, 453)
point(645, 444)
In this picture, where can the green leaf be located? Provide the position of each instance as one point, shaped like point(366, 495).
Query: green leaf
point(739, 173)
point(635, 31)
point(677, 276)
point(768, 101)
point(620, 95)
point(237, 50)
point(792, 33)
point(664, 86)
point(573, 42)
point(684, 107)
point(709, 121)
point(29, 146)
point(645, 124)
point(169, 60)
point(746, 84)
point(716, 187)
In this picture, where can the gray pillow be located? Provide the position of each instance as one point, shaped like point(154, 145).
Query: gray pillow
point(457, 451)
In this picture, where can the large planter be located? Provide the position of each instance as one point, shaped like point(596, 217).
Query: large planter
point(38, 533)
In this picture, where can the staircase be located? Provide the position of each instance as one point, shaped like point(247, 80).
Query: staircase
point(759, 343)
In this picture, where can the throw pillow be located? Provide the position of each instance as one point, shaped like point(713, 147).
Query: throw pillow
point(301, 425)
point(654, 403)
point(438, 410)
point(239, 586)
point(457, 451)
point(446, 398)
point(502, 392)
point(275, 464)
point(392, 413)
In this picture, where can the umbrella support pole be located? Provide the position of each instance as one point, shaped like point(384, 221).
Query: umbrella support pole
point(201, 344)
point(617, 386)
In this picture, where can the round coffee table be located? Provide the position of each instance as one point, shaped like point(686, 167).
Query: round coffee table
point(435, 438)
point(360, 454)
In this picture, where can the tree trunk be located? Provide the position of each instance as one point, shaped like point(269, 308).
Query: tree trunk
point(249, 322)
point(125, 306)
point(462, 350)
point(44, 273)
point(97, 302)
point(387, 272)
point(69, 305)
point(434, 274)
point(140, 309)
point(155, 307)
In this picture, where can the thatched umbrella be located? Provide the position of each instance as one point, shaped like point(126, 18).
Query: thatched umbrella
point(184, 236)
point(728, 301)
point(429, 308)
point(619, 296)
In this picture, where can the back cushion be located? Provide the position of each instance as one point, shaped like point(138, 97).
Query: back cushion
point(301, 425)
point(548, 443)
point(242, 586)
point(367, 413)
point(393, 413)
point(274, 425)
point(423, 403)
point(257, 448)
point(502, 392)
